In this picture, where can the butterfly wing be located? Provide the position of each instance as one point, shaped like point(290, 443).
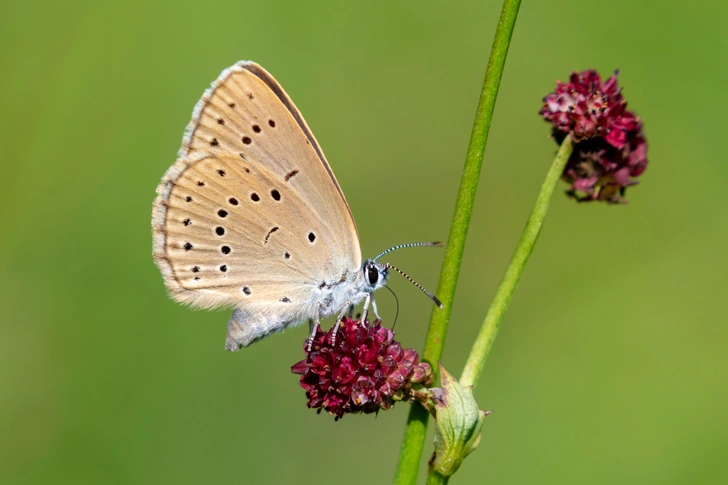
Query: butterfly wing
point(246, 112)
point(251, 215)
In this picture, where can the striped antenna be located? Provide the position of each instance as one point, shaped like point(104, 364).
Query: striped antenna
point(435, 244)
point(432, 297)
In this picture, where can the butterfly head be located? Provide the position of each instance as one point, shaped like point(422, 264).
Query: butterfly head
point(375, 274)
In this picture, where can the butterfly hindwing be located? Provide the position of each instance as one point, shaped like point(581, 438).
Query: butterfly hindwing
point(235, 234)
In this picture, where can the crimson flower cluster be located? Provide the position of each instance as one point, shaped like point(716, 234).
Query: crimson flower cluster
point(363, 370)
point(610, 148)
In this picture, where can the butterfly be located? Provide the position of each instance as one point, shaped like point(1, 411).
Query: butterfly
point(251, 216)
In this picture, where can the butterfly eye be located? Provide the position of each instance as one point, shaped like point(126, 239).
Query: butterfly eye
point(373, 275)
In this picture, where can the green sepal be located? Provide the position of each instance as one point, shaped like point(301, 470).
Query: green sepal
point(458, 422)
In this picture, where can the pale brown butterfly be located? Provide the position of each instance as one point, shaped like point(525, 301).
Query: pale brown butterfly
point(251, 216)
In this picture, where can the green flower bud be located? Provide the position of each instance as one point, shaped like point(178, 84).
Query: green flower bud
point(458, 422)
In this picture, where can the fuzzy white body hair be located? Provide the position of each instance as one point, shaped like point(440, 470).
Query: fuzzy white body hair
point(329, 301)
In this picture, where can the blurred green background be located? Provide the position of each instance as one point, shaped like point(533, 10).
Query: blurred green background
point(611, 366)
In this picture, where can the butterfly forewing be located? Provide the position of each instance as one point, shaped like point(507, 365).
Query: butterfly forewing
point(248, 114)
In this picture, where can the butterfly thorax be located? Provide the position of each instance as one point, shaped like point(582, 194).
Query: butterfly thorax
point(353, 287)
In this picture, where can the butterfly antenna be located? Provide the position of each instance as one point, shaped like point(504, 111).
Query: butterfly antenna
point(436, 244)
point(396, 314)
point(432, 297)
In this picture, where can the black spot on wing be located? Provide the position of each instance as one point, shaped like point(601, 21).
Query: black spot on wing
point(289, 175)
point(273, 229)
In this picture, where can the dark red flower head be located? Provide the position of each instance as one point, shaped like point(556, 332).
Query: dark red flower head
point(365, 370)
point(610, 147)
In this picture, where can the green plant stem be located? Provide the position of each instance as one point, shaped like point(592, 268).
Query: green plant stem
point(482, 345)
point(434, 478)
point(414, 436)
point(498, 307)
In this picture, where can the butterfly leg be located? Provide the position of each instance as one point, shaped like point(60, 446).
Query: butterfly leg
point(338, 323)
point(374, 308)
point(365, 310)
point(313, 326)
point(370, 300)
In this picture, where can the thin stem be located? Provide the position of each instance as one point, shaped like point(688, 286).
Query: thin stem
point(434, 478)
point(414, 436)
point(482, 345)
point(412, 445)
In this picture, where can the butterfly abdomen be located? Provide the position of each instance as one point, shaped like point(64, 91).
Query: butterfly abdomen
point(246, 327)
